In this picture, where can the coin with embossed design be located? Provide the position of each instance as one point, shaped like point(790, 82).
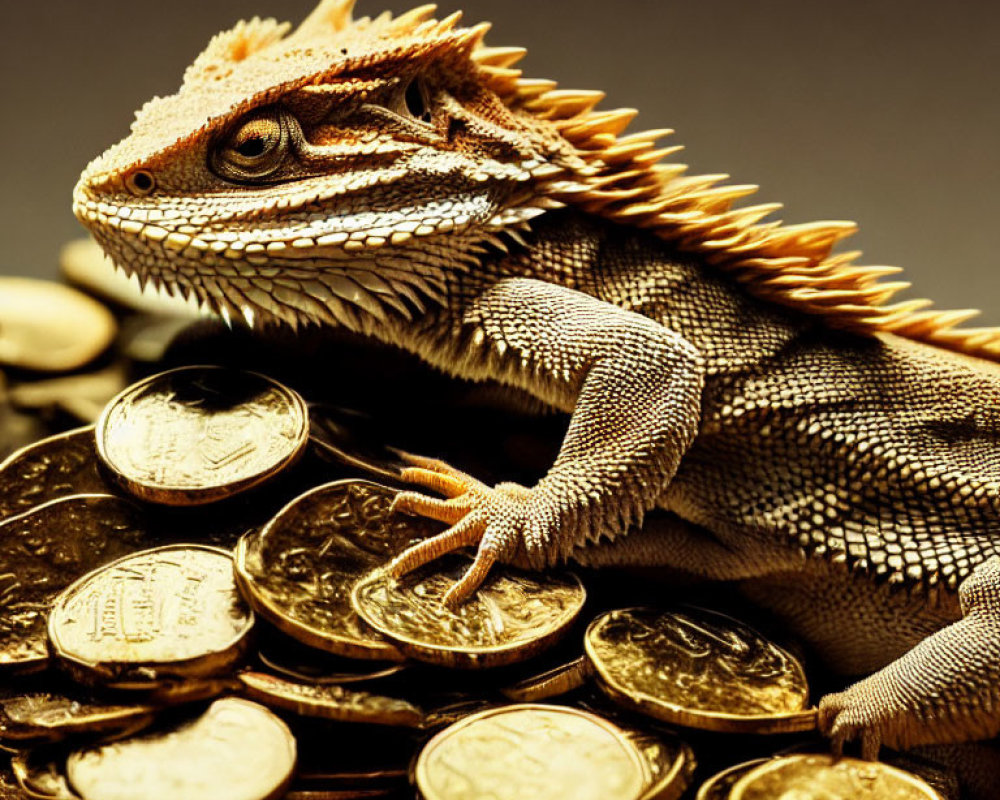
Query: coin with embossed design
point(821, 776)
point(530, 751)
point(200, 434)
point(28, 719)
point(170, 612)
point(58, 466)
point(512, 617)
point(698, 668)
point(330, 701)
point(299, 571)
point(236, 749)
point(43, 551)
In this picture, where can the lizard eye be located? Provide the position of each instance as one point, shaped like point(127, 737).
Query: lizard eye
point(254, 150)
point(413, 103)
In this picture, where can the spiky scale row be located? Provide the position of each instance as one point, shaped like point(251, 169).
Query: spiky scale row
point(792, 265)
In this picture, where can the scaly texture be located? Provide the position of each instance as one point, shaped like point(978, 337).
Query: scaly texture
point(734, 377)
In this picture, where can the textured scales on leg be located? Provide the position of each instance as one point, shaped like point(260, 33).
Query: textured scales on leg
point(836, 453)
point(614, 462)
point(944, 690)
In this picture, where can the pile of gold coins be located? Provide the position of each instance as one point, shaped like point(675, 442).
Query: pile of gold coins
point(193, 604)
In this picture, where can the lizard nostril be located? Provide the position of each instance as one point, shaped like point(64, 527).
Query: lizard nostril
point(140, 182)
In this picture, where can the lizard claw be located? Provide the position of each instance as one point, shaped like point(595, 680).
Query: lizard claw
point(850, 715)
point(498, 521)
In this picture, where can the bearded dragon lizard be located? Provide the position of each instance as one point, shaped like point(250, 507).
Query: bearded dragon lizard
point(787, 427)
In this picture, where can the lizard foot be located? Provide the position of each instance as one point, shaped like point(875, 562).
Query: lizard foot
point(856, 714)
point(500, 521)
point(943, 691)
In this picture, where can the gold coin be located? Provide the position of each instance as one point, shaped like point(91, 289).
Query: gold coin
point(330, 702)
point(820, 777)
point(299, 571)
point(698, 668)
point(168, 613)
point(236, 749)
point(41, 774)
point(200, 434)
point(55, 467)
point(530, 751)
point(669, 763)
point(297, 662)
point(49, 327)
point(188, 690)
point(47, 717)
point(512, 617)
point(550, 683)
point(719, 786)
point(43, 551)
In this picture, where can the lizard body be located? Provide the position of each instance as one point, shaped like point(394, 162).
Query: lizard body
point(745, 405)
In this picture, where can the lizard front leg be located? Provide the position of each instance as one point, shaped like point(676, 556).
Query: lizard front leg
point(637, 392)
point(945, 690)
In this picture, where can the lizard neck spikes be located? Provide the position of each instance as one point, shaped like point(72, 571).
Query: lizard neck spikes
point(792, 265)
point(571, 153)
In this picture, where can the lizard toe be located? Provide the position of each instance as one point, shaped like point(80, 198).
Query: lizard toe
point(506, 523)
point(854, 715)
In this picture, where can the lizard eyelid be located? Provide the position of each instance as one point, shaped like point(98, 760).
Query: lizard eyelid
point(415, 100)
point(255, 149)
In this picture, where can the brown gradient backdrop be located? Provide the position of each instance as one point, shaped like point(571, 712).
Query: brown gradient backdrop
point(882, 111)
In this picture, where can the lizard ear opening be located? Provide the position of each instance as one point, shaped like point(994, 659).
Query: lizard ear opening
point(140, 182)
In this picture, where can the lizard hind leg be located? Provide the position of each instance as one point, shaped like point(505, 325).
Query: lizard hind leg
point(945, 690)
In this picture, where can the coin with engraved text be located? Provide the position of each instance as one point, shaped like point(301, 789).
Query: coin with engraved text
point(699, 668)
point(168, 613)
point(513, 616)
point(200, 434)
point(44, 550)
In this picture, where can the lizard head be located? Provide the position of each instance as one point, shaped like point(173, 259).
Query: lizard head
point(333, 174)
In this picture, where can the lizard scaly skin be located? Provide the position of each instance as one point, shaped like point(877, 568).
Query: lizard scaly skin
point(743, 404)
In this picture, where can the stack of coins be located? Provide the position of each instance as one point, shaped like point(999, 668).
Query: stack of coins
point(194, 604)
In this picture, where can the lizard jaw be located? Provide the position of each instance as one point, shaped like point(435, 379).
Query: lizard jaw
point(344, 265)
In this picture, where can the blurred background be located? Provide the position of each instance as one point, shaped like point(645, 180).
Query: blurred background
point(885, 111)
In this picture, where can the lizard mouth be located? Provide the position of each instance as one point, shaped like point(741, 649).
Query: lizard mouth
point(358, 269)
point(339, 260)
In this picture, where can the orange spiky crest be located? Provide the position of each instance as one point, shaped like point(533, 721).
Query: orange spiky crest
point(593, 165)
point(791, 265)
